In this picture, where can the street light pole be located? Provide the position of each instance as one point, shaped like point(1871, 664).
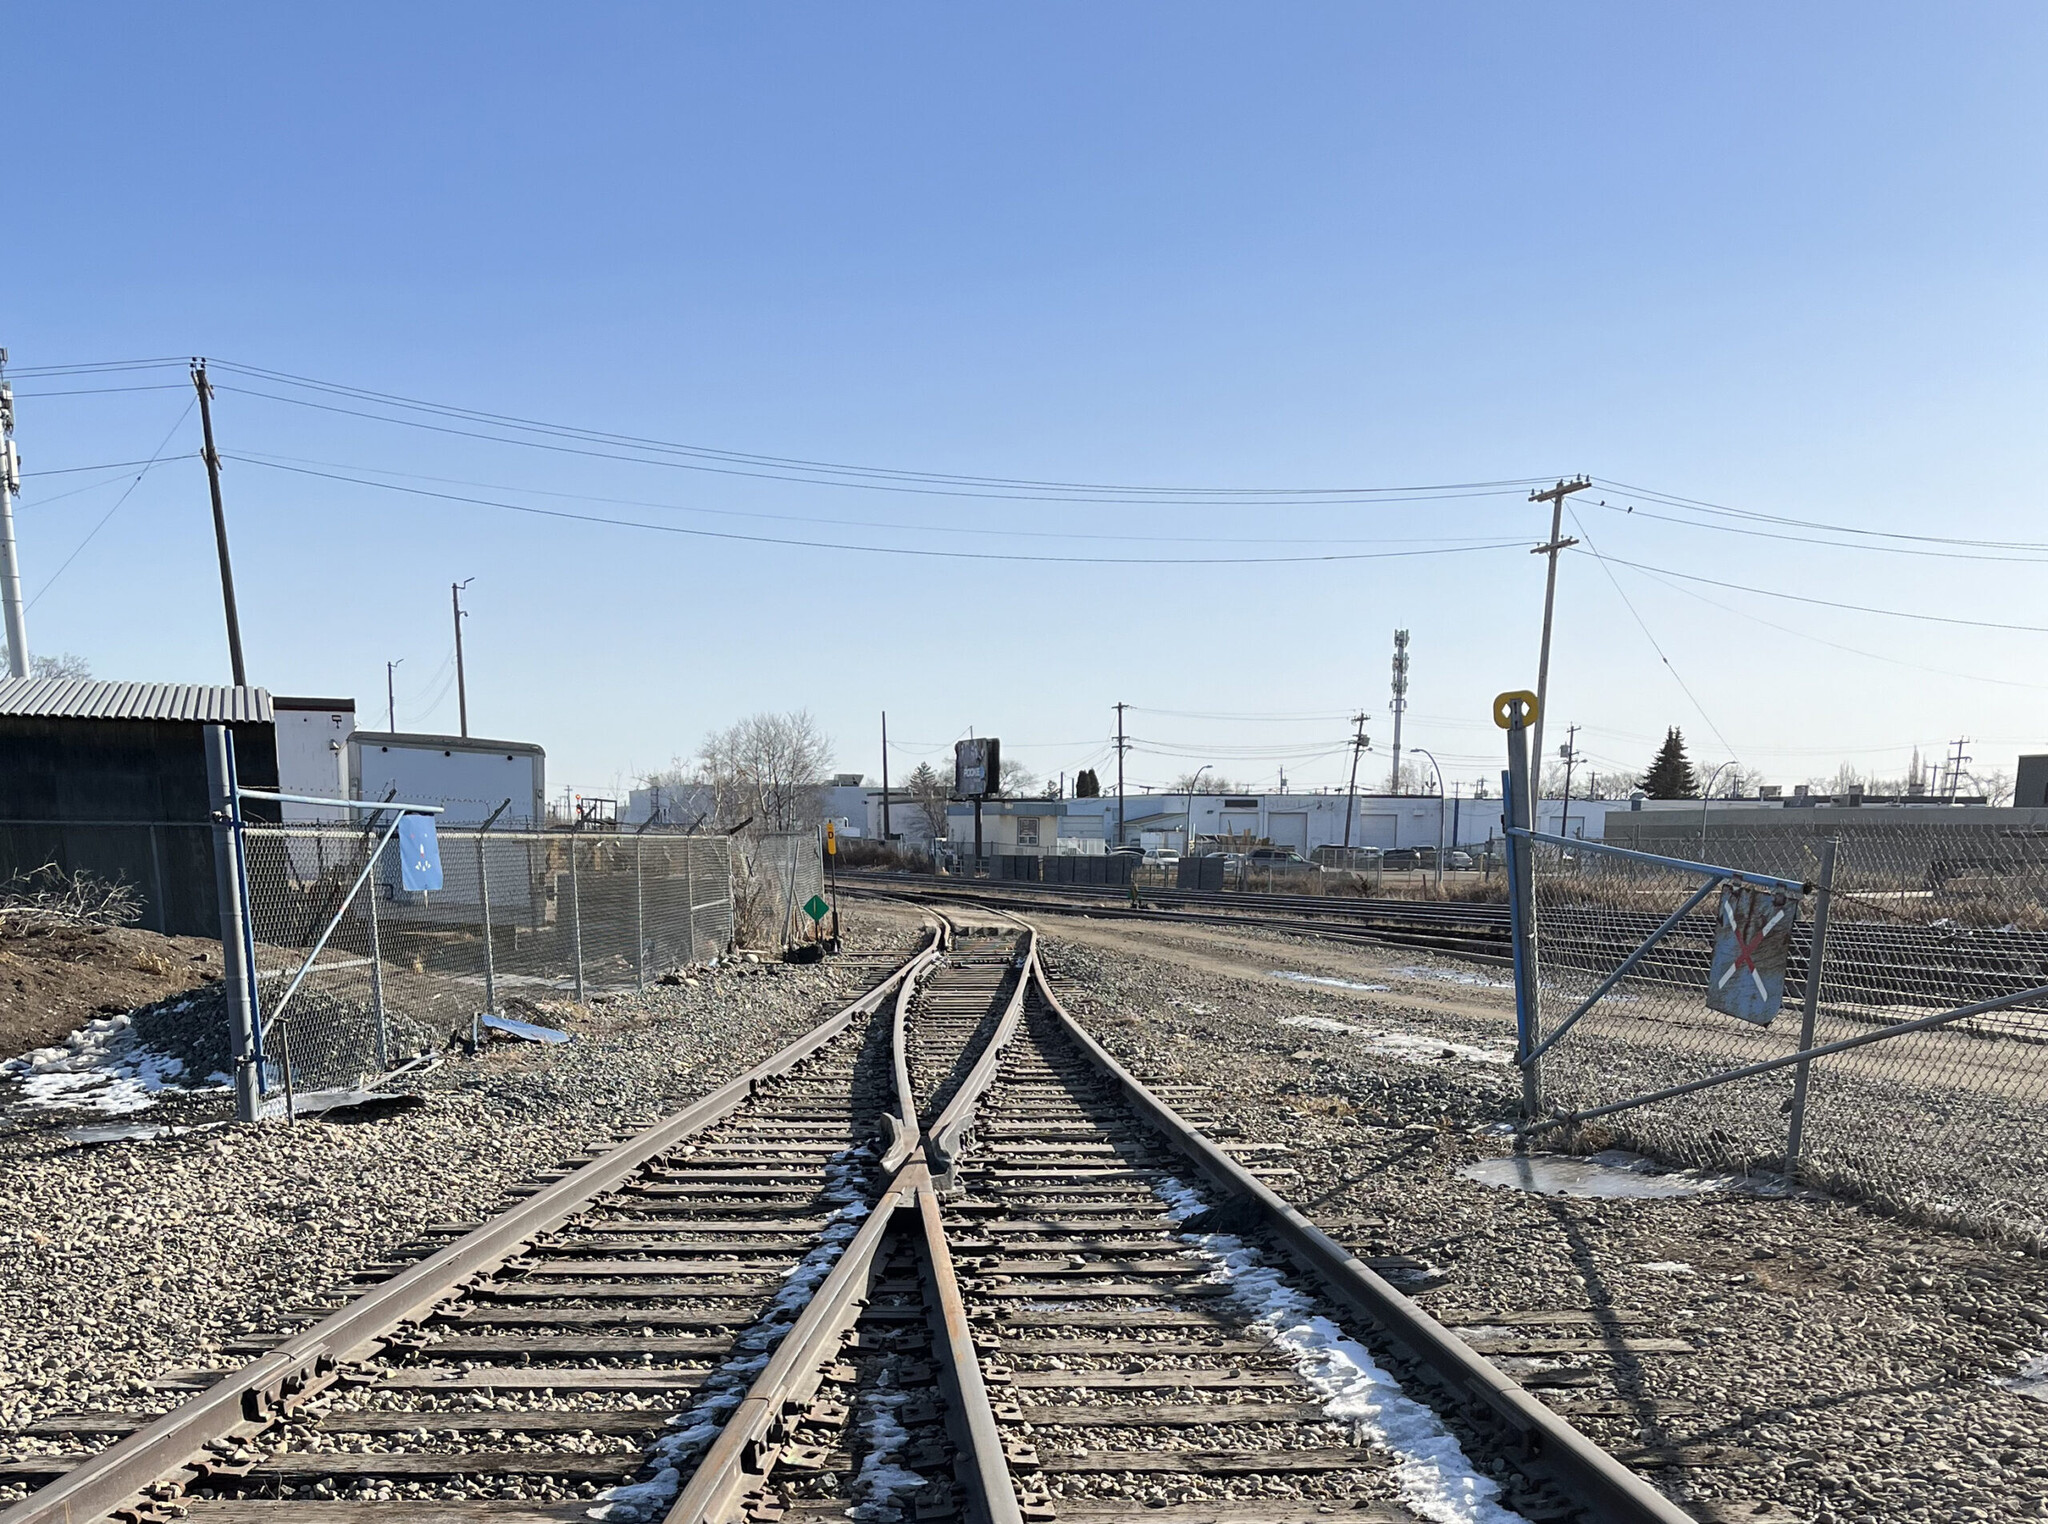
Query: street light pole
point(1439, 813)
point(391, 694)
point(1706, 794)
point(1191, 807)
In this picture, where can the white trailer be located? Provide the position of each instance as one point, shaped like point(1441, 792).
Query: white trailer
point(470, 778)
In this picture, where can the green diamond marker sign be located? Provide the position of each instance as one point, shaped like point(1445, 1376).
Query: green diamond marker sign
point(815, 907)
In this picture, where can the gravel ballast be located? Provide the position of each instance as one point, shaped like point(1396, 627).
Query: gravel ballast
point(125, 1261)
point(1839, 1363)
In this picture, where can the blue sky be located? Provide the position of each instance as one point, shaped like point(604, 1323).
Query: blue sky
point(1788, 260)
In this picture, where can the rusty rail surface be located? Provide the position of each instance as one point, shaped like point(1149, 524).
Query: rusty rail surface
point(245, 1402)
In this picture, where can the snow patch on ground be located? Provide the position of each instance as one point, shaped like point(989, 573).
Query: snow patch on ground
point(1453, 976)
point(1434, 1476)
point(1406, 1046)
point(1666, 1266)
point(101, 1067)
point(883, 1480)
point(1337, 984)
point(693, 1431)
point(2032, 1381)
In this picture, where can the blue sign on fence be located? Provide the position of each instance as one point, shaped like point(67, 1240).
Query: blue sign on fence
point(419, 853)
point(1752, 941)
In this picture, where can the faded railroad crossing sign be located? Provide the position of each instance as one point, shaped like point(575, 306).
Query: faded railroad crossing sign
point(815, 907)
point(1752, 941)
point(419, 853)
point(831, 839)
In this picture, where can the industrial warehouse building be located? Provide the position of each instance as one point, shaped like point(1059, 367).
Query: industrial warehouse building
point(110, 779)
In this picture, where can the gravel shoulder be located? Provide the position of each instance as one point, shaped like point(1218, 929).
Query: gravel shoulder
point(1836, 1362)
point(122, 1262)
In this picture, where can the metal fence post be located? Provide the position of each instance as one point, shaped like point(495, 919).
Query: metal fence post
point(1518, 811)
point(483, 890)
point(576, 915)
point(1816, 968)
point(639, 917)
point(377, 969)
point(689, 901)
point(238, 976)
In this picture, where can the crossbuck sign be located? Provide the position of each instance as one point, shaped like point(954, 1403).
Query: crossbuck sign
point(1752, 943)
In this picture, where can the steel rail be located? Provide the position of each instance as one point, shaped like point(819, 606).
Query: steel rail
point(249, 1399)
point(903, 1121)
point(1608, 1490)
point(942, 1142)
point(1474, 947)
point(744, 1452)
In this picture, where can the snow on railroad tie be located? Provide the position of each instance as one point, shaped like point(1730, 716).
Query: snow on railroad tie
point(1434, 1476)
point(884, 1481)
point(1408, 1047)
point(693, 1431)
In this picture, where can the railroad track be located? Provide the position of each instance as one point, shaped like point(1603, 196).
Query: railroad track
point(1471, 931)
point(942, 1259)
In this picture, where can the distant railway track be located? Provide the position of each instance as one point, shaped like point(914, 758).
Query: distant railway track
point(934, 1260)
point(1468, 930)
point(1882, 968)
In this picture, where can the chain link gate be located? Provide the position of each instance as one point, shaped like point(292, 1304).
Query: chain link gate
point(337, 973)
point(1908, 1063)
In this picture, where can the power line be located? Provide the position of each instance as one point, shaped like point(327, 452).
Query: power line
point(101, 391)
point(266, 458)
point(1797, 539)
point(1836, 645)
point(1829, 603)
point(838, 468)
point(906, 485)
point(1703, 506)
point(147, 467)
point(1652, 639)
point(886, 550)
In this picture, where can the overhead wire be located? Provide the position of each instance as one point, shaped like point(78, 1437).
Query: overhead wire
point(258, 457)
point(889, 550)
point(1652, 639)
point(107, 517)
point(799, 463)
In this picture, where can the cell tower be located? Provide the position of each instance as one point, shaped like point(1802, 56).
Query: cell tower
point(1400, 703)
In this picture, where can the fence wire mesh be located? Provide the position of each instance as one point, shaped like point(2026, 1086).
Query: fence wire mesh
point(775, 876)
point(1949, 1123)
point(521, 918)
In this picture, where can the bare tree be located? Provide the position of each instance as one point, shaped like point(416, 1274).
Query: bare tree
point(69, 665)
point(1017, 780)
point(767, 769)
point(929, 792)
point(1211, 782)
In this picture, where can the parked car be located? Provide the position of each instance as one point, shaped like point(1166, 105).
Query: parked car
point(1165, 857)
point(1281, 857)
point(1401, 859)
point(1458, 860)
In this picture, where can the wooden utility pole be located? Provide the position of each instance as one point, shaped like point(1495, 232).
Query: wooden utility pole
point(885, 777)
point(220, 522)
point(1554, 496)
point(1358, 744)
point(1571, 755)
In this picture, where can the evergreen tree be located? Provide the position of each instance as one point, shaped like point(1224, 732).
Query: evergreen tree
point(1670, 776)
point(1085, 784)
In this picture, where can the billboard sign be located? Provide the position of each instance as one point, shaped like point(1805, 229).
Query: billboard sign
point(977, 767)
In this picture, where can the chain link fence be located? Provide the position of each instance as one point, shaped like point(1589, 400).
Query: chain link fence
point(522, 918)
point(1948, 1123)
point(775, 874)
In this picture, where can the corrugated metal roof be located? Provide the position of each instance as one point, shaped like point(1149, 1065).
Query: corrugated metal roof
point(83, 699)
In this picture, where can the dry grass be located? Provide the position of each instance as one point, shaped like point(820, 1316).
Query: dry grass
point(48, 897)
